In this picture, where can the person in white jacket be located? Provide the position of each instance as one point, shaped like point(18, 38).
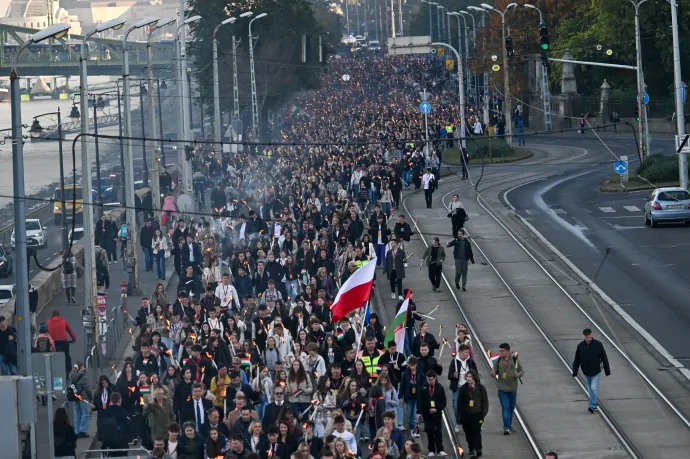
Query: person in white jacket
point(159, 245)
point(226, 292)
point(283, 339)
point(315, 363)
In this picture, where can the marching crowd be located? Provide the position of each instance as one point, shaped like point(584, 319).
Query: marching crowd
point(248, 359)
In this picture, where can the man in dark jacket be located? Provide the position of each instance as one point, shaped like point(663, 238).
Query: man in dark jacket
point(114, 429)
point(591, 356)
point(462, 253)
point(410, 388)
point(457, 369)
point(432, 402)
point(425, 362)
point(146, 241)
point(272, 410)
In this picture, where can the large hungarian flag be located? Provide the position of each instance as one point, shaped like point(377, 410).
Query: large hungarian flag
point(396, 332)
point(355, 291)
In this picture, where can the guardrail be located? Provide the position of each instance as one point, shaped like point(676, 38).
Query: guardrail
point(43, 212)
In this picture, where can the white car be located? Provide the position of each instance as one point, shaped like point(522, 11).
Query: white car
point(347, 39)
point(78, 234)
point(36, 234)
point(374, 45)
point(7, 292)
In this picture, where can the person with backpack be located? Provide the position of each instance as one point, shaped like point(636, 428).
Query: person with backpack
point(62, 334)
point(79, 393)
point(114, 430)
point(68, 276)
point(43, 342)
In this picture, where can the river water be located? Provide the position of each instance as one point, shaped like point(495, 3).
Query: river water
point(41, 159)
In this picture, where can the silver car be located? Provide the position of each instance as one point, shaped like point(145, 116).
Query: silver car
point(669, 204)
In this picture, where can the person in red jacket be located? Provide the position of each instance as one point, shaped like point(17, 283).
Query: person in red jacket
point(59, 329)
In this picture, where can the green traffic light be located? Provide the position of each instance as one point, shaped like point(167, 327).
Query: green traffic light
point(545, 46)
point(637, 119)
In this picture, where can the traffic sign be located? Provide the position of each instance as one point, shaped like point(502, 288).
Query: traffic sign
point(425, 107)
point(621, 167)
point(645, 98)
point(682, 144)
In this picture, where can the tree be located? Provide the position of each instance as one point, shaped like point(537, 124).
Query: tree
point(277, 53)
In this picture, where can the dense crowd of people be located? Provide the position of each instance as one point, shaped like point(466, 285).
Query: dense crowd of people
point(247, 359)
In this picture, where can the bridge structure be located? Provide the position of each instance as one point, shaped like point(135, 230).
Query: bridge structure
point(61, 58)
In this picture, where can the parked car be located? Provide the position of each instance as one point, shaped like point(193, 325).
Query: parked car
point(36, 234)
point(6, 265)
point(78, 234)
point(666, 205)
point(7, 292)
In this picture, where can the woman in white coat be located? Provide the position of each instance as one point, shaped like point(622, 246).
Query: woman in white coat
point(160, 252)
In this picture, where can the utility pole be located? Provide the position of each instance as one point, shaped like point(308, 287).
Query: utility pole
point(99, 189)
point(143, 134)
point(642, 123)
point(393, 18)
point(255, 103)
point(122, 144)
point(678, 83)
point(160, 121)
point(400, 18)
point(235, 84)
point(544, 44)
point(347, 17)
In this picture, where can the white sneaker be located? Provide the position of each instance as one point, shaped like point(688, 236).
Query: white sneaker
point(457, 429)
point(431, 454)
point(400, 297)
point(415, 435)
point(442, 454)
point(392, 296)
point(406, 265)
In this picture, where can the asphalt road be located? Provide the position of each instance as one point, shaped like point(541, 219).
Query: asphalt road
point(644, 270)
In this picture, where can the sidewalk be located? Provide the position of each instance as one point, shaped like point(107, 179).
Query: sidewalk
point(72, 313)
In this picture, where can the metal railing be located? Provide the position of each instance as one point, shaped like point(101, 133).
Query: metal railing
point(61, 59)
point(112, 329)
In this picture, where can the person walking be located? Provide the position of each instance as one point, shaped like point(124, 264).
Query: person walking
point(160, 252)
point(68, 276)
point(429, 183)
point(395, 268)
point(146, 241)
point(60, 330)
point(434, 256)
point(102, 271)
point(590, 356)
point(508, 371)
point(473, 406)
point(64, 438)
point(79, 383)
point(462, 254)
point(465, 158)
point(520, 125)
point(432, 402)
point(457, 214)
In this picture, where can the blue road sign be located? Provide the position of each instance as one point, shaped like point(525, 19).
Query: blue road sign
point(645, 98)
point(425, 107)
point(621, 167)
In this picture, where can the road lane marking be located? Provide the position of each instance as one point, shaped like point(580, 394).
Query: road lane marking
point(559, 211)
point(607, 210)
point(632, 208)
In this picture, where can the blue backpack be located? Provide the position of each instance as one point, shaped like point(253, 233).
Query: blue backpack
point(123, 231)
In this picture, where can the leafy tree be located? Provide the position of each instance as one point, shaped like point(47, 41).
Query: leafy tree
point(277, 53)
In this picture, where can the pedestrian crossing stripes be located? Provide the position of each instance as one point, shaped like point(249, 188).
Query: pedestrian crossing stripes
point(611, 210)
point(608, 210)
point(632, 208)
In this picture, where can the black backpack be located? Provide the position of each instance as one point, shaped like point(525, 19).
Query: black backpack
point(67, 267)
point(43, 344)
point(72, 393)
point(110, 432)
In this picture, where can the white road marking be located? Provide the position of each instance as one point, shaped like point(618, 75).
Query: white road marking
point(559, 211)
point(632, 208)
point(607, 210)
point(529, 212)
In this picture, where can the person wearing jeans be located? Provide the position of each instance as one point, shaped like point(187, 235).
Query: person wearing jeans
point(410, 385)
point(508, 371)
point(591, 357)
point(81, 388)
point(378, 232)
point(160, 250)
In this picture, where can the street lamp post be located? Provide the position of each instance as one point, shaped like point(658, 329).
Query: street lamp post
point(255, 104)
point(91, 300)
point(473, 78)
point(678, 84)
point(546, 96)
point(439, 23)
point(506, 84)
point(122, 145)
point(99, 189)
point(486, 74)
point(37, 129)
point(431, 21)
point(160, 122)
point(183, 131)
point(143, 135)
point(468, 81)
point(21, 256)
point(642, 123)
point(131, 265)
point(216, 85)
point(155, 182)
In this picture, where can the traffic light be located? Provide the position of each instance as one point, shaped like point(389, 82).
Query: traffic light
point(509, 46)
point(544, 59)
point(637, 112)
point(544, 37)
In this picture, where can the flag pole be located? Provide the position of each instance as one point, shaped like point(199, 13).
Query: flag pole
point(361, 333)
